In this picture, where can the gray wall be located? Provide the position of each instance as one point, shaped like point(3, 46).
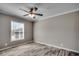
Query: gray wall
point(61, 31)
point(5, 28)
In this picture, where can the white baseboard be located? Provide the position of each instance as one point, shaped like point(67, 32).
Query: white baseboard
point(15, 45)
point(40, 43)
point(58, 47)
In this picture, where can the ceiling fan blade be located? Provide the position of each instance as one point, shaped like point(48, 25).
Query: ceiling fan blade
point(23, 10)
point(31, 10)
point(25, 14)
point(35, 8)
point(39, 14)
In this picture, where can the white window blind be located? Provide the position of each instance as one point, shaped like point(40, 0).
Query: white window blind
point(17, 31)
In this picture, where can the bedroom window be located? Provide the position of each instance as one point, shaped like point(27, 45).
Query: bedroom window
point(17, 31)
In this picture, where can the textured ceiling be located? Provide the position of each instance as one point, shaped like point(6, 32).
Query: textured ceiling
point(48, 9)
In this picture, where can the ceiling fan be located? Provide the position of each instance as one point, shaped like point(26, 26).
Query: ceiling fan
point(32, 12)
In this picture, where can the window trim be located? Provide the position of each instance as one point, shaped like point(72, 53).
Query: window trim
point(19, 32)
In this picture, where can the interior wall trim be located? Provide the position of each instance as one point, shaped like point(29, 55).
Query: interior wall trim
point(58, 47)
point(15, 45)
point(59, 14)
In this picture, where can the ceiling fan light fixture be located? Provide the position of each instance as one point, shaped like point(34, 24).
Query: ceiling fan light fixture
point(32, 12)
point(32, 15)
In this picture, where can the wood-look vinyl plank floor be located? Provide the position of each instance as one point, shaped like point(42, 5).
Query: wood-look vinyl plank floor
point(36, 49)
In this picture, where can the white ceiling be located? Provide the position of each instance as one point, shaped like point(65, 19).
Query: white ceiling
point(48, 9)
